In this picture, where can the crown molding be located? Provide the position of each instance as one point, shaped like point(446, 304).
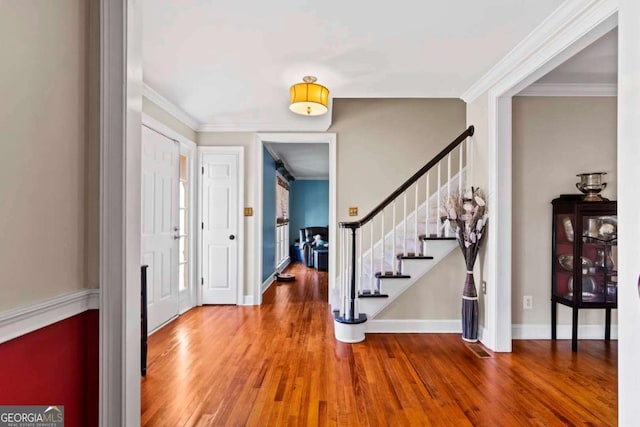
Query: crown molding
point(259, 127)
point(552, 28)
point(270, 150)
point(171, 108)
point(313, 178)
point(570, 89)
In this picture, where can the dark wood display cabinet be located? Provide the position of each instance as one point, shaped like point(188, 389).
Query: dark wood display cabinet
point(584, 260)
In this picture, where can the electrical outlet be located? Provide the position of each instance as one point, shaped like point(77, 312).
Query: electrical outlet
point(484, 287)
point(527, 302)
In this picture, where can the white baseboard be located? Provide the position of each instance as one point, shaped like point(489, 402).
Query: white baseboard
point(18, 322)
point(543, 332)
point(283, 264)
point(272, 277)
point(267, 283)
point(248, 300)
point(414, 326)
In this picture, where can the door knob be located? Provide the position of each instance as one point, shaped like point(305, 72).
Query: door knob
point(231, 237)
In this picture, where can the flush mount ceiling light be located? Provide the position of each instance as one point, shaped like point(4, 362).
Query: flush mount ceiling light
point(309, 98)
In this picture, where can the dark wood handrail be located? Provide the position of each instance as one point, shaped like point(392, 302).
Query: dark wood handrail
point(409, 182)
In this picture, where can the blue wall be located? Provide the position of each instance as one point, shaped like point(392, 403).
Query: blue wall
point(309, 205)
point(268, 215)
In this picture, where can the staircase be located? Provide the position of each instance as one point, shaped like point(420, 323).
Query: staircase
point(397, 243)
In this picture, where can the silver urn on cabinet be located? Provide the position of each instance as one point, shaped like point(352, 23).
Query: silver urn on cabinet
point(591, 185)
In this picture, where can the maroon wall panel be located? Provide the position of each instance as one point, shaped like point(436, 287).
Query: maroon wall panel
point(55, 365)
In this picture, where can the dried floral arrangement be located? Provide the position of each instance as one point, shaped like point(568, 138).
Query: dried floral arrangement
point(467, 216)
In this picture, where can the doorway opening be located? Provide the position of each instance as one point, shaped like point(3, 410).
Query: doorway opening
point(299, 167)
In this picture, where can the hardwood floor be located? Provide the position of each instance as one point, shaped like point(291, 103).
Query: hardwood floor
point(279, 364)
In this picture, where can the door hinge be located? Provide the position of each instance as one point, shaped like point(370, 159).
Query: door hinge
point(202, 225)
point(202, 281)
point(203, 170)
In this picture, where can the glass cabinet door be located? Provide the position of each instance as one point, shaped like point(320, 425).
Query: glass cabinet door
point(599, 275)
point(563, 259)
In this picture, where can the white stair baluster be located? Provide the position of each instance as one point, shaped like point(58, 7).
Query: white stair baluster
point(415, 221)
point(393, 234)
point(404, 224)
point(359, 273)
point(448, 176)
point(371, 254)
point(343, 296)
point(383, 243)
point(446, 230)
point(428, 212)
point(438, 222)
point(460, 168)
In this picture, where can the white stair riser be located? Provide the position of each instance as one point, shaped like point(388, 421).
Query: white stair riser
point(415, 268)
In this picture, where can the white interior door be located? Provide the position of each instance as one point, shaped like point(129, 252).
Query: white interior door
point(159, 225)
point(220, 191)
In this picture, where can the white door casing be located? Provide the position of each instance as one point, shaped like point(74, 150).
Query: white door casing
point(159, 225)
point(220, 231)
point(293, 137)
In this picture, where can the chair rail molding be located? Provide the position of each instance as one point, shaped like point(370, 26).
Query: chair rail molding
point(21, 321)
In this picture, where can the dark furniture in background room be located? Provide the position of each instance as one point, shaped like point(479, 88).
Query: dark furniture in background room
point(584, 272)
point(321, 259)
point(307, 242)
point(143, 320)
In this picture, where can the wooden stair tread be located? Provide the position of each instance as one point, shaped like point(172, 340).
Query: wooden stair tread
point(369, 294)
point(434, 237)
point(400, 256)
point(390, 275)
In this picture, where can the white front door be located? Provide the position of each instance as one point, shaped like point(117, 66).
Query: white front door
point(159, 225)
point(220, 192)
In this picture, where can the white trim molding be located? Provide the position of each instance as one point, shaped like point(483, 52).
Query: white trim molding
point(171, 108)
point(398, 326)
point(267, 284)
point(120, 207)
point(548, 32)
point(543, 332)
point(21, 321)
point(570, 89)
point(262, 127)
point(575, 25)
point(311, 137)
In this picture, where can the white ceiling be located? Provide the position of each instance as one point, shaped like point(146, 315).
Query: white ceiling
point(302, 160)
point(229, 64)
point(596, 64)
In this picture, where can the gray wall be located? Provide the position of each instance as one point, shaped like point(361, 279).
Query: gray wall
point(48, 155)
point(381, 143)
point(553, 140)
